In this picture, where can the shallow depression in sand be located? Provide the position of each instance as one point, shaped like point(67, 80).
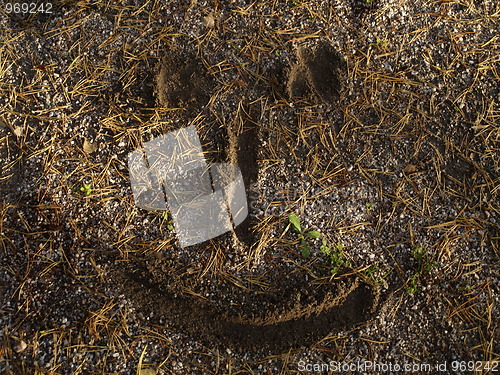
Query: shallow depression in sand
point(292, 313)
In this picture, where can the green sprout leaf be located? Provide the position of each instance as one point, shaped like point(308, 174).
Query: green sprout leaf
point(86, 189)
point(303, 235)
point(313, 234)
point(419, 253)
point(412, 288)
point(325, 249)
point(169, 225)
point(294, 220)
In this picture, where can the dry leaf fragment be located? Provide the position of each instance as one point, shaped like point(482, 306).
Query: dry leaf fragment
point(89, 147)
point(239, 83)
point(20, 346)
point(146, 371)
point(410, 168)
point(18, 131)
point(208, 21)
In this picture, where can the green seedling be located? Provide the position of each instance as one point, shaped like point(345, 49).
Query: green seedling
point(169, 223)
point(370, 206)
point(302, 235)
point(380, 43)
point(335, 255)
point(466, 288)
point(372, 272)
point(86, 189)
point(412, 287)
point(424, 263)
point(325, 249)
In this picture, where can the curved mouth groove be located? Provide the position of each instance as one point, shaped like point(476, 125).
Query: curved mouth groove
point(263, 323)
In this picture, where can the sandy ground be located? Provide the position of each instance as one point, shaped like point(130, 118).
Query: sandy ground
point(374, 122)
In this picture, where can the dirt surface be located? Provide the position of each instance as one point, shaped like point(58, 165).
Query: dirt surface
point(10, 172)
point(374, 122)
point(277, 321)
point(182, 81)
point(319, 69)
point(291, 313)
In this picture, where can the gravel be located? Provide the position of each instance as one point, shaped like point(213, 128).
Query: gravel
point(413, 162)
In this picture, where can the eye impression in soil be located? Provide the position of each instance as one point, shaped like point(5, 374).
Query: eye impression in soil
point(293, 312)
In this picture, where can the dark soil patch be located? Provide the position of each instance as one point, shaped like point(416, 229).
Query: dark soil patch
point(297, 86)
point(318, 70)
point(360, 8)
point(277, 81)
point(10, 169)
point(182, 81)
point(287, 317)
point(247, 159)
point(248, 146)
